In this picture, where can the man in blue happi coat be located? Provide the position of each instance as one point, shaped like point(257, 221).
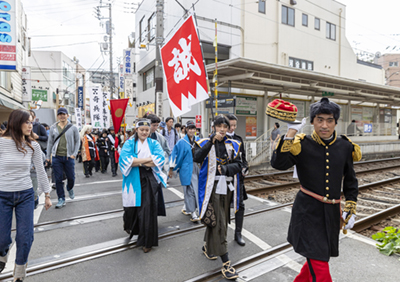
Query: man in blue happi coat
point(181, 161)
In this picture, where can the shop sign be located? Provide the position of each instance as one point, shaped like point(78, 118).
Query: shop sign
point(26, 84)
point(8, 35)
point(38, 95)
point(198, 121)
point(80, 97)
point(246, 106)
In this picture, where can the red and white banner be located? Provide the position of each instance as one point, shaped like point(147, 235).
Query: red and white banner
point(183, 67)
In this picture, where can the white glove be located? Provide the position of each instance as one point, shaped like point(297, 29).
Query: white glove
point(351, 222)
point(297, 126)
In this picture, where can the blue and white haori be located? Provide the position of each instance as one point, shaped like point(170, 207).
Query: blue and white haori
point(131, 187)
point(181, 160)
point(208, 171)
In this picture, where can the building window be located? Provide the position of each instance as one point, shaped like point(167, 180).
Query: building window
point(287, 15)
point(142, 30)
point(330, 31)
point(393, 64)
point(317, 23)
point(301, 64)
point(305, 20)
point(261, 6)
point(151, 26)
point(148, 79)
point(5, 80)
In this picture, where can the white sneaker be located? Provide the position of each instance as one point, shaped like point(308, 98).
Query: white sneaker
point(194, 218)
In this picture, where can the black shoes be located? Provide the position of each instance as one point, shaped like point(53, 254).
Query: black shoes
point(239, 239)
point(2, 266)
point(87, 175)
point(114, 175)
point(228, 271)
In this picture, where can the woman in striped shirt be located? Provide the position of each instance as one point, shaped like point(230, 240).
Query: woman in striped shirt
point(17, 151)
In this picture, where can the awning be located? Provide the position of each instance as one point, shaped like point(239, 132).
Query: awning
point(10, 103)
point(250, 74)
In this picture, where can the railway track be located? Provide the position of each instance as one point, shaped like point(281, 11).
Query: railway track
point(261, 257)
point(358, 166)
point(122, 244)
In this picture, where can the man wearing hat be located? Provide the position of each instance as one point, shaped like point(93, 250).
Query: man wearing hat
point(62, 149)
point(324, 163)
point(181, 161)
point(113, 141)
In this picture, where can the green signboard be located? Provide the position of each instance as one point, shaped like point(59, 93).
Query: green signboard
point(326, 93)
point(39, 95)
point(246, 106)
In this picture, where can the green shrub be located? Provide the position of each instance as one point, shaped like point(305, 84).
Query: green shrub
point(389, 240)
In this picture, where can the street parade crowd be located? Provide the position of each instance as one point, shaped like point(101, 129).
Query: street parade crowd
point(211, 171)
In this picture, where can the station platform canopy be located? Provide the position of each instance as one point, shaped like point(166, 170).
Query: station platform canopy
point(248, 74)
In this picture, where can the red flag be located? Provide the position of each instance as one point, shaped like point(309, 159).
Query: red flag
point(183, 66)
point(118, 108)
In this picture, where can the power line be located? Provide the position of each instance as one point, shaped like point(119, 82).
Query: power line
point(61, 35)
point(79, 43)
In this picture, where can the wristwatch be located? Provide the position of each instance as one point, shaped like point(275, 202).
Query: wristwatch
point(47, 196)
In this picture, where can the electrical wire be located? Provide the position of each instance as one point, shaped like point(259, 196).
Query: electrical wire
point(64, 45)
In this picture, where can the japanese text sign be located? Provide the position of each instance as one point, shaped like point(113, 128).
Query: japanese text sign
point(26, 84)
point(198, 121)
point(128, 64)
point(183, 66)
point(96, 106)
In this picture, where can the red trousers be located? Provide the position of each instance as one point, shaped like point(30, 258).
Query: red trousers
point(314, 271)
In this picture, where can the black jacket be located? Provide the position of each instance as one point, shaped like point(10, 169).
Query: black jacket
point(110, 145)
point(228, 167)
point(323, 169)
point(40, 131)
point(244, 163)
point(102, 144)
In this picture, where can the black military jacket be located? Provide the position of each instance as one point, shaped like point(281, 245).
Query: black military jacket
point(323, 169)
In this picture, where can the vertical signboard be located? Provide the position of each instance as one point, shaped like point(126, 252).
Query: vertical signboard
point(26, 84)
point(128, 64)
point(106, 111)
point(198, 121)
point(80, 97)
point(121, 78)
point(96, 106)
point(78, 118)
point(8, 35)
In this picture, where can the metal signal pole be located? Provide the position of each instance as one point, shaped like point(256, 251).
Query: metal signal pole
point(111, 56)
point(158, 64)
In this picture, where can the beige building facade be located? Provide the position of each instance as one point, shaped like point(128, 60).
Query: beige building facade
point(391, 66)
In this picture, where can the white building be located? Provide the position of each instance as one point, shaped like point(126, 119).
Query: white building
point(286, 40)
point(11, 81)
point(52, 73)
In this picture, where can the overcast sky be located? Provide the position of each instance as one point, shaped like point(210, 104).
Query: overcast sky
point(70, 26)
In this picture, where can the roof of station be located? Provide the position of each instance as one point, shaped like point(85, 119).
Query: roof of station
point(250, 74)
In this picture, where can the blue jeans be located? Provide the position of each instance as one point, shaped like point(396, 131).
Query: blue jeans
point(23, 203)
point(60, 165)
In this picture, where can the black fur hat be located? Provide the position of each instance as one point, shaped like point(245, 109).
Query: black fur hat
point(324, 107)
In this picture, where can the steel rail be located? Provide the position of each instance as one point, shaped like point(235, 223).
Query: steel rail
point(258, 258)
point(288, 172)
point(295, 184)
point(47, 223)
point(360, 225)
point(59, 263)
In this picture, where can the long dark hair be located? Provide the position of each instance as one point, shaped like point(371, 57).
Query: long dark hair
point(14, 129)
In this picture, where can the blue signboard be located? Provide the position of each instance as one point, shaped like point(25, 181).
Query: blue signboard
point(80, 97)
point(367, 128)
point(8, 35)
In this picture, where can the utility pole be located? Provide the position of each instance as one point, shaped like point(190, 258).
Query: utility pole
point(111, 56)
point(158, 64)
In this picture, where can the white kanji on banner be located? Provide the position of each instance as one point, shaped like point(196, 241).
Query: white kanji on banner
point(183, 67)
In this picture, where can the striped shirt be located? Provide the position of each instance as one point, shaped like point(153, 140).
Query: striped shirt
point(15, 167)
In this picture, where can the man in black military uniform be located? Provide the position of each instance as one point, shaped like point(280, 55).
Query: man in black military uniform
point(324, 163)
point(113, 141)
point(239, 215)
